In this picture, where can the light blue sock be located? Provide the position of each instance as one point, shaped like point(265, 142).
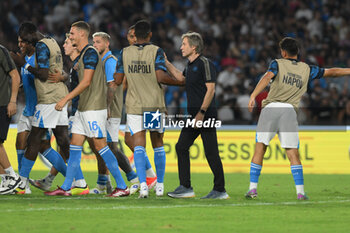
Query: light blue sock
point(159, 161)
point(112, 165)
point(56, 160)
point(79, 174)
point(297, 172)
point(20, 154)
point(102, 179)
point(26, 167)
point(148, 163)
point(131, 175)
point(140, 162)
point(255, 170)
point(73, 166)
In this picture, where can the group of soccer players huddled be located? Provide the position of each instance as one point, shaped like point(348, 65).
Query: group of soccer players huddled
point(95, 95)
point(97, 81)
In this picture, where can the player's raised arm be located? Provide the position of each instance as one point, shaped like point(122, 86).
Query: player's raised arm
point(161, 71)
point(336, 72)
point(173, 71)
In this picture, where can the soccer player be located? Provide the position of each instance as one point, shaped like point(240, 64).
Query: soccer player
point(144, 68)
point(289, 79)
point(101, 42)
point(48, 59)
point(90, 118)
point(8, 107)
point(24, 125)
point(151, 177)
point(79, 186)
point(200, 77)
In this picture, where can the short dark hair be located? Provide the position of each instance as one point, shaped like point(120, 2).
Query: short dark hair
point(142, 29)
point(28, 32)
point(290, 45)
point(83, 26)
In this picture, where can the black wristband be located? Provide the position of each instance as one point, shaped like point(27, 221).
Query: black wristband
point(202, 111)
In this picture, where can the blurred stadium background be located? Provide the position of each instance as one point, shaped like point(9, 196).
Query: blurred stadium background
point(240, 36)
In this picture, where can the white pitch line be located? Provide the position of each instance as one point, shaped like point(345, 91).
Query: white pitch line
point(116, 207)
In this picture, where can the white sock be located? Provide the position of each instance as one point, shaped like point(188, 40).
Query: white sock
point(150, 173)
point(10, 171)
point(80, 183)
point(300, 189)
point(253, 185)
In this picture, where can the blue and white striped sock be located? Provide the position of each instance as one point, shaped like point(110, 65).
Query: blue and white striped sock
point(255, 170)
point(297, 172)
point(73, 166)
point(140, 162)
point(56, 160)
point(102, 179)
point(148, 163)
point(131, 175)
point(160, 161)
point(112, 165)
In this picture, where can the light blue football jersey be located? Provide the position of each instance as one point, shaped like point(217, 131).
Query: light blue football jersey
point(29, 87)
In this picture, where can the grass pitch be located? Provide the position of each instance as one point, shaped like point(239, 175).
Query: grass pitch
point(275, 210)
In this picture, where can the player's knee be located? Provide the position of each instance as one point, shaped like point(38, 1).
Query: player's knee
point(179, 147)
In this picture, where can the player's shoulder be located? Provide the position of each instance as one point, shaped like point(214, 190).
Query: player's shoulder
point(3, 50)
point(91, 51)
point(204, 61)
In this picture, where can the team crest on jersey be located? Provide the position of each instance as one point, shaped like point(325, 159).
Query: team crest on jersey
point(152, 120)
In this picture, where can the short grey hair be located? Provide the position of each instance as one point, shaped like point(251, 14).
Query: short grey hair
point(194, 39)
point(103, 35)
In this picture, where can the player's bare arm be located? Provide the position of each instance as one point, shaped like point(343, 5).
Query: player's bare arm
point(88, 74)
point(118, 78)
point(12, 106)
point(264, 81)
point(336, 72)
point(173, 71)
point(58, 77)
point(164, 78)
point(40, 73)
point(112, 87)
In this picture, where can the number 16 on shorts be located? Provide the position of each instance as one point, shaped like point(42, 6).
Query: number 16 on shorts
point(93, 126)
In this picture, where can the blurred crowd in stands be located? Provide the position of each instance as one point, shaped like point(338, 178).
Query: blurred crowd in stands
point(241, 38)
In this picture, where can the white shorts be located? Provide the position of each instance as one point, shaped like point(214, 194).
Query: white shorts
point(70, 125)
point(24, 123)
point(113, 129)
point(90, 123)
point(278, 118)
point(46, 116)
point(126, 129)
point(135, 124)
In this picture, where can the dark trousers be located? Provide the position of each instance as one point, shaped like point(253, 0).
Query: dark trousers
point(4, 123)
point(210, 143)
